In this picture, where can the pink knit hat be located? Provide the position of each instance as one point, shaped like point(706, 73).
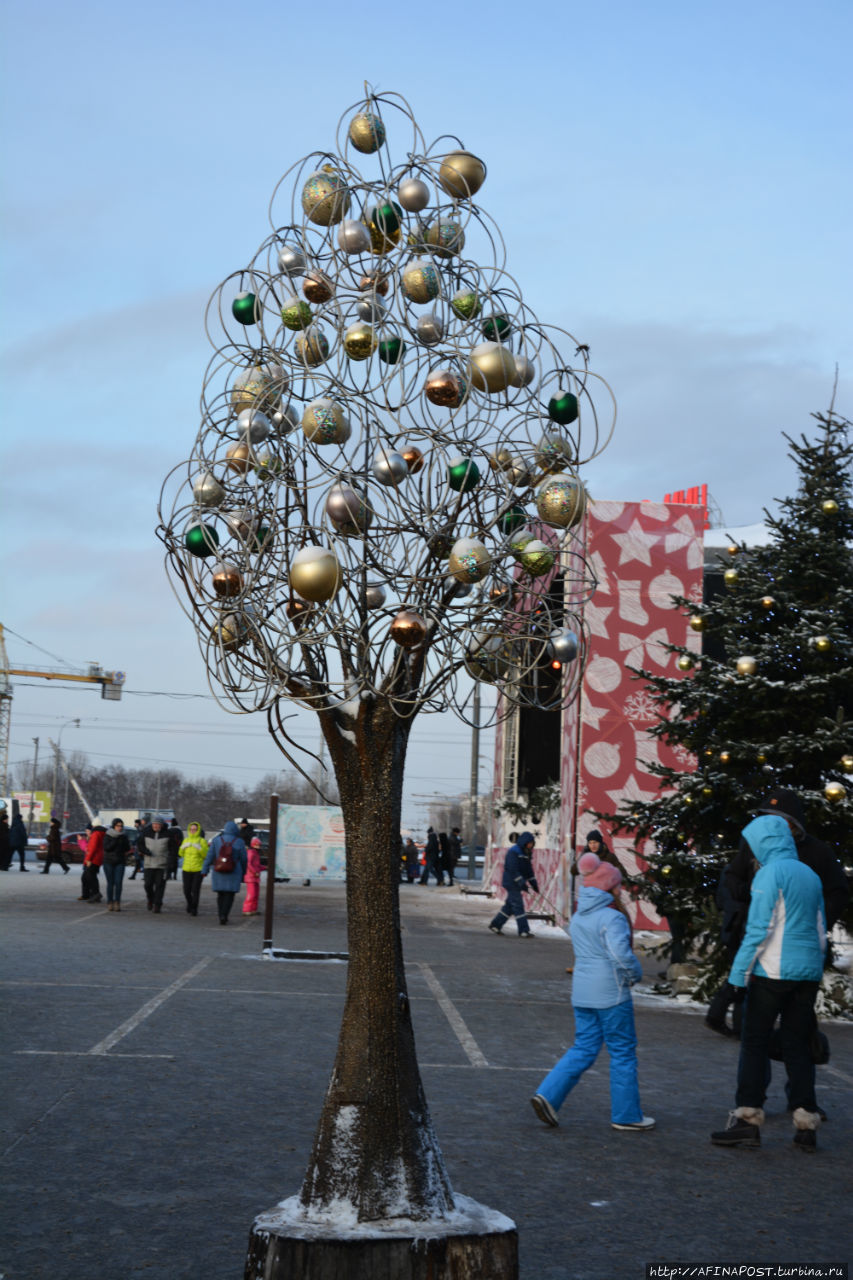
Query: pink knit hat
point(255, 843)
point(597, 874)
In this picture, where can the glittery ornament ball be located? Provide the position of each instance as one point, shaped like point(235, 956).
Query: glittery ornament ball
point(445, 238)
point(312, 347)
point(537, 558)
point(466, 303)
point(257, 385)
point(201, 540)
point(324, 422)
point(561, 502)
point(366, 132)
point(469, 560)
point(554, 453)
point(563, 408)
point(420, 282)
point(246, 309)
point(325, 198)
point(295, 314)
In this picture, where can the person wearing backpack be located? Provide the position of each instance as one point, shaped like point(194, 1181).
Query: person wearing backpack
point(226, 860)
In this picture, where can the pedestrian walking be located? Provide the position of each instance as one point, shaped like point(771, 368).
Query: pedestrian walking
point(446, 856)
point(176, 839)
point(226, 860)
point(432, 859)
point(5, 847)
point(517, 877)
point(605, 970)
point(54, 848)
point(18, 841)
point(116, 849)
point(595, 844)
point(193, 851)
point(138, 860)
point(83, 846)
point(253, 877)
point(455, 847)
point(92, 863)
point(780, 962)
point(246, 832)
point(410, 860)
point(154, 842)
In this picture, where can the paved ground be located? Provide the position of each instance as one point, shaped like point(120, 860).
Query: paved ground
point(162, 1083)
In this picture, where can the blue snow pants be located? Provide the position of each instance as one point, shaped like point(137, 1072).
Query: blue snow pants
point(593, 1028)
point(514, 906)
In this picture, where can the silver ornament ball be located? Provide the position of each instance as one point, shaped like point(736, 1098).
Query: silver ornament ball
point(291, 261)
point(563, 646)
point(429, 329)
point(207, 490)
point(390, 467)
point(256, 424)
point(413, 195)
point(353, 236)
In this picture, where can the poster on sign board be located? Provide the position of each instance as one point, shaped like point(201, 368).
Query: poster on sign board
point(310, 842)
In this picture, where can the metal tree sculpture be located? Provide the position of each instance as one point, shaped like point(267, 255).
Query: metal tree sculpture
point(379, 509)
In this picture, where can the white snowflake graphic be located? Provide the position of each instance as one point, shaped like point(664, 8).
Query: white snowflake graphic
point(639, 706)
point(685, 758)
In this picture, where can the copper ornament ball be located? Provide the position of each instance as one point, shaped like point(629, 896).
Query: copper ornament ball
point(725, 757)
point(413, 459)
point(461, 174)
point(407, 629)
point(374, 282)
point(767, 602)
point(227, 581)
point(732, 549)
point(315, 573)
point(296, 608)
point(445, 388)
point(317, 287)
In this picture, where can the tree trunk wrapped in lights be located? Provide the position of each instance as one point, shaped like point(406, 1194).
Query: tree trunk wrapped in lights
point(383, 492)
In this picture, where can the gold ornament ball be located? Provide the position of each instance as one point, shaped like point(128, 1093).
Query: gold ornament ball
point(230, 632)
point(697, 623)
point(315, 573)
point(259, 386)
point(767, 602)
point(761, 758)
point(847, 763)
point(469, 560)
point(823, 644)
point(835, 792)
point(561, 502)
point(366, 132)
point(746, 666)
point(492, 367)
point(501, 459)
point(445, 238)
point(461, 174)
point(829, 507)
point(725, 757)
point(666, 870)
point(227, 581)
point(325, 198)
point(407, 629)
point(238, 457)
point(707, 792)
point(360, 341)
point(730, 577)
point(732, 549)
point(685, 662)
point(554, 453)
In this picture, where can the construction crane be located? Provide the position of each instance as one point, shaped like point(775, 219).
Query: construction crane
point(90, 812)
point(110, 681)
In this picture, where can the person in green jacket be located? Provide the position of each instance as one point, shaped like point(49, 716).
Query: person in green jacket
point(193, 850)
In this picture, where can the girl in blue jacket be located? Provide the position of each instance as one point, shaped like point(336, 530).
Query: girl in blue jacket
point(605, 970)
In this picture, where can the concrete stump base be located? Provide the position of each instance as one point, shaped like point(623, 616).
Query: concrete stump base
point(474, 1242)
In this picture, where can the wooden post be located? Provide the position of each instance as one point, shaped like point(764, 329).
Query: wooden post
point(269, 897)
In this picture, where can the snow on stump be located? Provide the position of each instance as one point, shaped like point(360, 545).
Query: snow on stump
point(471, 1242)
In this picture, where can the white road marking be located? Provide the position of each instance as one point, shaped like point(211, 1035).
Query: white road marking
point(454, 1017)
point(104, 1046)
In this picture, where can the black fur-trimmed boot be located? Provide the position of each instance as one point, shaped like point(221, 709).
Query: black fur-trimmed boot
point(805, 1130)
point(742, 1130)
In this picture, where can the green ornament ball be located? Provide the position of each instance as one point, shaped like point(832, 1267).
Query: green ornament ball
point(296, 314)
point(261, 538)
point(246, 308)
point(391, 349)
point(463, 475)
point(497, 327)
point(201, 540)
point(512, 519)
point(386, 217)
point(563, 408)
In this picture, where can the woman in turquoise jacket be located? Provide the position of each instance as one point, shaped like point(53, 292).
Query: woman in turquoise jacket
point(780, 962)
point(605, 970)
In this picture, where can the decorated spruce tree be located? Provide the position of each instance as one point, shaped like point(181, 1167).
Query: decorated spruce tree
point(382, 494)
point(768, 701)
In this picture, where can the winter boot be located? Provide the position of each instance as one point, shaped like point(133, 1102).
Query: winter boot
point(805, 1126)
point(743, 1128)
point(544, 1110)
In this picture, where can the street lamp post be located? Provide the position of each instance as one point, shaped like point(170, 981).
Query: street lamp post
point(56, 755)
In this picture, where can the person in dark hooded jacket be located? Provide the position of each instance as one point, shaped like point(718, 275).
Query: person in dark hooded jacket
point(18, 839)
point(518, 876)
point(226, 884)
point(595, 844)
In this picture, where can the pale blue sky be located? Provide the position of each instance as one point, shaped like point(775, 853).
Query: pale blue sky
point(672, 182)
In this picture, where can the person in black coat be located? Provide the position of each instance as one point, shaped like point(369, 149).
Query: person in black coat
point(595, 844)
point(432, 855)
point(18, 840)
point(176, 839)
point(5, 847)
point(446, 862)
point(54, 848)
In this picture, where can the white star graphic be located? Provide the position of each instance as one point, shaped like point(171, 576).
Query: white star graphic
point(636, 544)
point(631, 790)
point(596, 618)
